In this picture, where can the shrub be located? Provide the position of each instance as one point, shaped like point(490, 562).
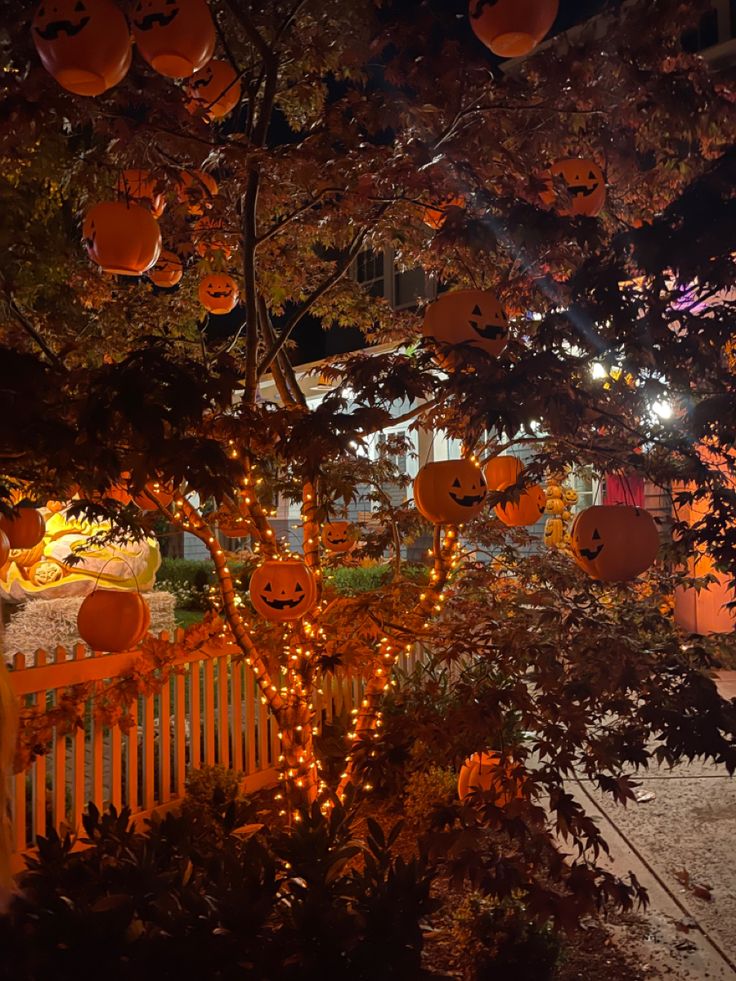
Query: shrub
point(354, 580)
point(426, 791)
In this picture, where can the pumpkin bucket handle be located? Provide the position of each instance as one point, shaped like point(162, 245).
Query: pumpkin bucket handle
point(116, 558)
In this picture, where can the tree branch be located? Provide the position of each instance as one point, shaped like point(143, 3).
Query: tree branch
point(32, 332)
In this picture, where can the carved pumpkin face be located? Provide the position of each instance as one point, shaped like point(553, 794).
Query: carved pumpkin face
point(614, 542)
point(450, 491)
point(167, 271)
point(84, 44)
point(502, 470)
point(512, 28)
point(484, 772)
point(586, 186)
point(282, 590)
point(141, 187)
point(216, 89)
point(339, 536)
point(554, 532)
point(196, 189)
point(466, 317)
point(122, 239)
point(525, 510)
point(436, 217)
point(218, 293)
point(176, 37)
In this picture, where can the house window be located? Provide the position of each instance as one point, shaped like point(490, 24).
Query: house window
point(706, 33)
point(409, 287)
point(588, 487)
point(369, 271)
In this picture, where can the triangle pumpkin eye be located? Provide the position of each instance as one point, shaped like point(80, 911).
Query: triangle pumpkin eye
point(267, 588)
point(591, 175)
point(476, 311)
point(596, 535)
point(298, 589)
point(456, 482)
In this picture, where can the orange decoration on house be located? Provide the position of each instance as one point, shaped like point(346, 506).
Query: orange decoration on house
point(139, 186)
point(218, 292)
point(525, 510)
point(167, 270)
point(84, 44)
point(586, 186)
point(512, 28)
point(339, 536)
point(122, 238)
point(283, 590)
point(24, 529)
point(113, 620)
point(460, 318)
point(500, 471)
point(614, 542)
point(450, 491)
point(436, 217)
point(196, 189)
point(176, 37)
point(483, 772)
point(216, 89)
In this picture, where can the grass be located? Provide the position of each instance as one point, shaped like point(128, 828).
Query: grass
point(185, 618)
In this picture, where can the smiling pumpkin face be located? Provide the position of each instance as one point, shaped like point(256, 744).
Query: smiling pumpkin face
point(339, 536)
point(522, 509)
point(216, 89)
point(283, 590)
point(613, 542)
point(466, 318)
point(84, 44)
point(450, 491)
point(218, 293)
point(585, 184)
point(176, 37)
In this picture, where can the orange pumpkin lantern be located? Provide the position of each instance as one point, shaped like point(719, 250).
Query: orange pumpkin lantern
point(84, 44)
point(113, 620)
point(614, 542)
point(501, 471)
point(218, 292)
point(472, 318)
point(196, 189)
point(122, 238)
point(483, 772)
point(216, 89)
point(450, 491)
point(139, 186)
point(436, 217)
point(24, 529)
point(167, 270)
point(164, 496)
point(283, 590)
point(176, 37)
point(524, 511)
point(339, 536)
point(585, 184)
point(512, 28)
point(4, 548)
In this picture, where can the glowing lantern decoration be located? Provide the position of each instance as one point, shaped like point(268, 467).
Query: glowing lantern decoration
point(216, 89)
point(196, 189)
point(450, 491)
point(483, 772)
point(585, 184)
point(436, 217)
point(512, 28)
point(501, 471)
point(176, 37)
point(24, 529)
point(113, 620)
point(339, 536)
point(524, 511)
point(554, 532)
point(167, 270)
point(164, 496)
point(218, 292)
point(614, 542)
point(472, 318)
point(84, 44)
point(4, 548)
point(122, 238)
point(283, 590)
point(139, 186)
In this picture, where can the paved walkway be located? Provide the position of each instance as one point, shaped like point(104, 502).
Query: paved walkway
point(680, 840)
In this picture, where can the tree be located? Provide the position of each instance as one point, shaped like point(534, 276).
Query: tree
point(354, 119)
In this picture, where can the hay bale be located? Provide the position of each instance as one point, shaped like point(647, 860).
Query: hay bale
point(52, 623)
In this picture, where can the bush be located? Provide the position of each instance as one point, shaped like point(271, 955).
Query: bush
point(487, 940)
point(426, 791)
point(354, 580)
point(190, 581)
